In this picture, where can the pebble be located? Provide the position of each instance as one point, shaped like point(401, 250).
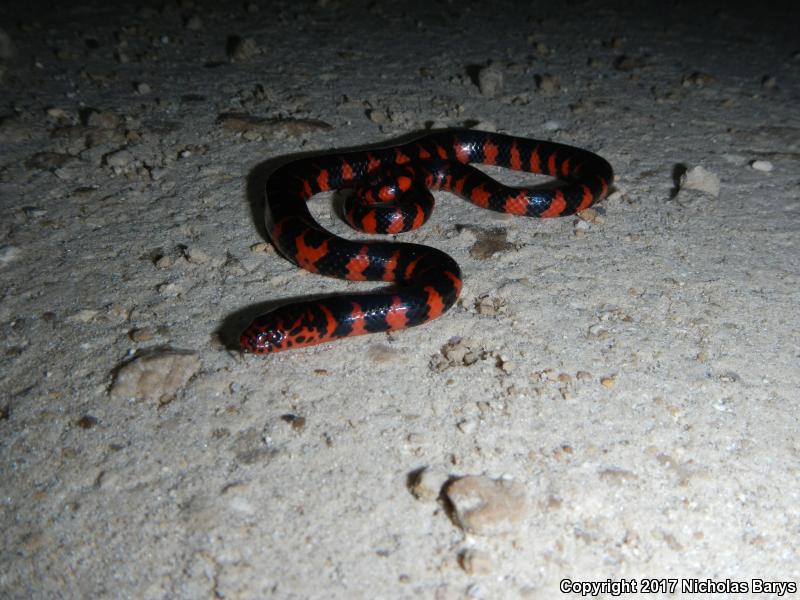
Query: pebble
point(769, 82)
point(455, 353)
point(475, 562)
point(476, 591)
point(85, 315)
point(427, 483)
point(607, 382)
point(490, 81)
point(488, 306)
point(597, 330)
point(8, 253)
point(581, 227)
point(762, 165)
point(196, 255)
point(103, 119)
point(485, 506)
point(506, 365)
point(143, 88)
point(260, 247)
point(170, 290)
point(87, 422)
point(467, 426)
point(34, 212)
point(118, 159)
point(296, 422)
point(547, 84)
point(155, 375)
point(698, 79)
point(145, 334)
point(61, 116)
point(700, 179)
point(241, 49)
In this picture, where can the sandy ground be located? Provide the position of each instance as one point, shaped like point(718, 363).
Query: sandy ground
point(616, 395)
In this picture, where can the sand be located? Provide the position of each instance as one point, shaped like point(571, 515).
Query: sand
point(614, 399)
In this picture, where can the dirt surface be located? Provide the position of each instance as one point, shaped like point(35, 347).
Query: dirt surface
point(615, 397)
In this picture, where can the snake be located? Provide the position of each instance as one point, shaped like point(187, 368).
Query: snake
point(390, 192)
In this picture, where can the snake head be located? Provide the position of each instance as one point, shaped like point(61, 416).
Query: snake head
point(264, 335)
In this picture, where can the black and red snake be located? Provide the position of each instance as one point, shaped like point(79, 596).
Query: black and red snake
point(392, 195)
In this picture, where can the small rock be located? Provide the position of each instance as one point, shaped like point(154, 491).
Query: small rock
point(8, 253)
point(155, 375)
point(119, 159)
point(170, 290)
point(597, 330)
point(490, 81)
point(488, 306)
point(698, 79)
point(34, 212)
point(241, 49)
point(143, 88)
point(581, 227)
point(547, 84)
point(455, 350)
point(467, 426)
point(762, 165)
point(607, 382)
point(506, 365)
point(475, 562)
point(296, 422)
point(104, 119)
point(379, 117)
point(140, 335)
point(485, 506)
point(61, 116)
point(476, 591)
point(261, 247)
point(87, 422)
point(700, 179)
point(164, 262)
point(86, 315)
point(196, 255)
point(427, 483)
point(769, 82)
